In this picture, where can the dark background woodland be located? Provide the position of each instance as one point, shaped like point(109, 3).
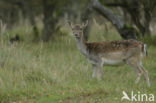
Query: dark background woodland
point(131, 18)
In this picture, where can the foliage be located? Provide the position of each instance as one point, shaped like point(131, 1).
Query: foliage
point(128, 30)
point(150, 40)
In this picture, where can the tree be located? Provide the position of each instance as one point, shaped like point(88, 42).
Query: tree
point(140, 12)
point(52, 11)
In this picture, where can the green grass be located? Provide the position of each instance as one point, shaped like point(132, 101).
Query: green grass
point(56, 72)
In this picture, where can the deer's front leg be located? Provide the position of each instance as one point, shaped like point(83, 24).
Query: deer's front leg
point(99, 73)
point(94, 70)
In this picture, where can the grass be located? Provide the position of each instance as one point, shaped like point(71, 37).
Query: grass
point(56, 72)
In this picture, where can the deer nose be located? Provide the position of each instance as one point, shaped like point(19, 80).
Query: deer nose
point(76, 34)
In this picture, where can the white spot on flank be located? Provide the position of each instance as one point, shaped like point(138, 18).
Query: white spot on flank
point(111, 62)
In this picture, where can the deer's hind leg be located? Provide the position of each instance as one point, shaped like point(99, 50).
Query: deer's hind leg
point(145, 73)
point(133, 63)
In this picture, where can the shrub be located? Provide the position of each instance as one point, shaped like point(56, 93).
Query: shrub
point(150, 40)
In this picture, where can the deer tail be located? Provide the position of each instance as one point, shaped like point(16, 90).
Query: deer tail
point(144, 49)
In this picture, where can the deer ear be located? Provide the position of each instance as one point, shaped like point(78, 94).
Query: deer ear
point(84, 24)
point(69, 23)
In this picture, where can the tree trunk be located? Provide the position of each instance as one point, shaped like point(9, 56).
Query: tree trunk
point(48, 21)
point(140, 13)
point(148, 17)
point(125, 31)
point(87, 16)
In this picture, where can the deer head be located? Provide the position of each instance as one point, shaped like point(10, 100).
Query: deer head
point(77, 29)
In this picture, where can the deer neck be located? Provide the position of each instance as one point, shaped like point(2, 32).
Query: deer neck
point(81, 45)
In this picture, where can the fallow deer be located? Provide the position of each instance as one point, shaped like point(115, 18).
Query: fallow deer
point(111, 53)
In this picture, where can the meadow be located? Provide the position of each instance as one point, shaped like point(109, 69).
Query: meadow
point(56, 72)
